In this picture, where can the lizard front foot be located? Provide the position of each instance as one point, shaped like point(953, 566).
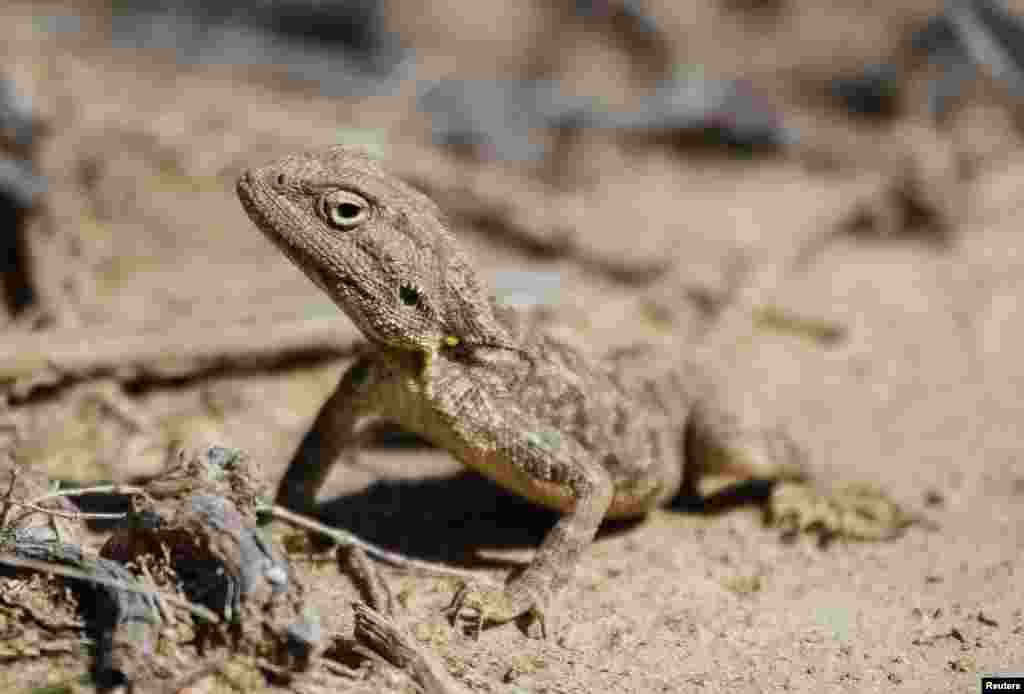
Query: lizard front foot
point(855, 512)
point(479, 603)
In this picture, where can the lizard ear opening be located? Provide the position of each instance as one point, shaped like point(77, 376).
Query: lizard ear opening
point(409, 295)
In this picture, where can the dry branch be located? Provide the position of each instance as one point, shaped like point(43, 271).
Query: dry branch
point(394, 644)
point(173, 349)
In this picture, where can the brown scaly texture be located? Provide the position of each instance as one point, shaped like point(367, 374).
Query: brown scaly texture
point(590, 438)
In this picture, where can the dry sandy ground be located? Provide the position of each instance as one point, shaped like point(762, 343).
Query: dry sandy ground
point(922, 395)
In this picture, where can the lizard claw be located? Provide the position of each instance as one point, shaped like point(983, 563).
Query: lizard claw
point(855, 512)
point(481, 603)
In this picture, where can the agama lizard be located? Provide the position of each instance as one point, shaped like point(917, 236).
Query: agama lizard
point(589, 438)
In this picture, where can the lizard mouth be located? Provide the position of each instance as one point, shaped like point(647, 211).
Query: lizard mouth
point(269, 215)
point(256, 201)
point(249, 192)
point(245, 189)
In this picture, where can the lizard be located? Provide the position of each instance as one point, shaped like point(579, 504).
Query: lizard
point(590, 437)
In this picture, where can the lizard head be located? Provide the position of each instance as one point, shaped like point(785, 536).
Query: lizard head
point(378, 247)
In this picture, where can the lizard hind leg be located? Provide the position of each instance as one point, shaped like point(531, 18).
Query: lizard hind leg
point(765, 465)
point(721, 446)
point(855, 511)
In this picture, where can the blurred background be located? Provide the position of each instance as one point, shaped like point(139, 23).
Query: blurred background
point(825, 194)
point(555, 126)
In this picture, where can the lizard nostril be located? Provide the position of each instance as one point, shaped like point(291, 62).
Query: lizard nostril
point(281, 180)
point(244, 185)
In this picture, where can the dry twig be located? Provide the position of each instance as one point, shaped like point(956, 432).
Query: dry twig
point(392, 643)
point(31, 360)
point(343, 537)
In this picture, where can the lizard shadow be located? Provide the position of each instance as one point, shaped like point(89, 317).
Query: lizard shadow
point(443, 519)
point(449, 519)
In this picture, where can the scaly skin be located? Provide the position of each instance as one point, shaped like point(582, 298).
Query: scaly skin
point(591, 439)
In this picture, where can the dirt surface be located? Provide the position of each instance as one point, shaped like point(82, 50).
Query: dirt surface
point(887, 349)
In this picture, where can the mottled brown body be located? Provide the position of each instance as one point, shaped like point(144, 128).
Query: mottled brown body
point(521, 419)
point(590, 438)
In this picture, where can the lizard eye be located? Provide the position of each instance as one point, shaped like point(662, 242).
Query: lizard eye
point(343, 209)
